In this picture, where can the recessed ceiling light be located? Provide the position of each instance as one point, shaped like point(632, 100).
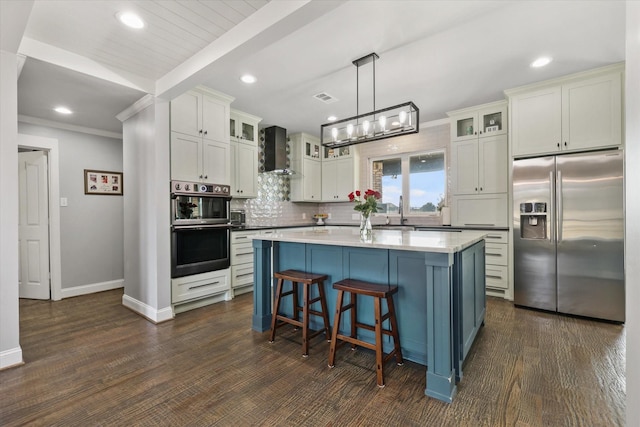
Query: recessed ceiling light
point(332, 118)
point(248, 78)
point(541, 62)
point(130, 19)
point(62, 110)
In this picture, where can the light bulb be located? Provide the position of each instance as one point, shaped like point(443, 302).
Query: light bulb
point(403, 117)
point(383, 122)
point(334, 133)
point(349, 130)
point(365, 127)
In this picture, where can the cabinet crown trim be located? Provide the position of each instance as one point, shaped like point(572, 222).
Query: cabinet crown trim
point(475, 108)
point(245, 115)
point(211, 92)
point(609, 69)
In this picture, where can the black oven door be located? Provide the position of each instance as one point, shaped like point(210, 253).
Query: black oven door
point(199, 249)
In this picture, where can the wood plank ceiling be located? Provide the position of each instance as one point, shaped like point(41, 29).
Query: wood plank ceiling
point(175, 30)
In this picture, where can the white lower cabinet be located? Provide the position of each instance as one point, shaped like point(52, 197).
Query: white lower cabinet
point(198, 290)
point(497, 264)
point(241, 262)
point(484, 210)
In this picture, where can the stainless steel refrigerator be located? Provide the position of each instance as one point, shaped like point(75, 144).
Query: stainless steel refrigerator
point(568, 232)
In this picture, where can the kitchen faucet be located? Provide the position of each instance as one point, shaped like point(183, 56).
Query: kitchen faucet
point(401, 211)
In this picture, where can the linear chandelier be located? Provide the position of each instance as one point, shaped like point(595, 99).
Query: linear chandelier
point(401, 119)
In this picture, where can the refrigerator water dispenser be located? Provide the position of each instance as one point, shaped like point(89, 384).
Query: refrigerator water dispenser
point(533, 220)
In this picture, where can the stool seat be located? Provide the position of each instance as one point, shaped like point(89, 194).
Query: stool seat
point(365, 288)
point(300, 276)
point(378, 292)
point(306, 280)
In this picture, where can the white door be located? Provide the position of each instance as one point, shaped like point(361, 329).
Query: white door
point(33, 229)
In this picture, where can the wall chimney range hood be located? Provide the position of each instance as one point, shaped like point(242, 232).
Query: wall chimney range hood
point(275, 150)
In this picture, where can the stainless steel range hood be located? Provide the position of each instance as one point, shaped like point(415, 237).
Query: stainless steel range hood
point(275, 150)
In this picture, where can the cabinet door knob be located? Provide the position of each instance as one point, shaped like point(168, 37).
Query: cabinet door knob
point(200, 176)
point(200, 131)
point(565, 143)
point(480, 188)
point(558, 145)
point(206, 176)
point(205, 132)
point(476, 189)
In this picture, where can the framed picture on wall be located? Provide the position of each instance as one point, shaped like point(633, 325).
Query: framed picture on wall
point(102, 182)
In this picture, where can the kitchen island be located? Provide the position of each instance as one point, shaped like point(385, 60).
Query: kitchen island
point(440, 304)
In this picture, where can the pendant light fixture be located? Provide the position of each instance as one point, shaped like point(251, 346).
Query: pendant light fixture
point(401, 119)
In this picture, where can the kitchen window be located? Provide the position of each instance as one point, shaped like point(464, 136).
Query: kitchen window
point(420, 179)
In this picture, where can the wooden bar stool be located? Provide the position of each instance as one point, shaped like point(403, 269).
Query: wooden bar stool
point(306, 279)
point(355, 288)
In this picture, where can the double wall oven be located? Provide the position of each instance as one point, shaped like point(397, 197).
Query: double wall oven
point(200, 228)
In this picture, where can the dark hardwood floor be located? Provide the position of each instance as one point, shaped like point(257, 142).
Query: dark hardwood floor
point(90, 361)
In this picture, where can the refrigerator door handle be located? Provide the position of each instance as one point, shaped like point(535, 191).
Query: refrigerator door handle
point(551, 209)
point(559, 208)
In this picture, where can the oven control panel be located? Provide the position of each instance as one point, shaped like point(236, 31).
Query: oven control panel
point(200, 188)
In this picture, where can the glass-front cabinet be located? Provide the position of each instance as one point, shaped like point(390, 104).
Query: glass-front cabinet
point(337, 153)
point(491, 120)
point(243, 127)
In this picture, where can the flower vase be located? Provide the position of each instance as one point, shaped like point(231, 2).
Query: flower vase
point(365, 226)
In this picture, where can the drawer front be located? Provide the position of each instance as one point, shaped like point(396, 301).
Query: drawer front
point(241, 236)
point(496, 253)
point(497, 276)
point(497, 237)
point(241, 253)
point(198, 286)
point(242, 275)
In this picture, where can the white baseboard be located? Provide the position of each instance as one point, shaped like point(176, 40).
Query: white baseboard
point(156, 316)
point(10, 358)
point(91, 288)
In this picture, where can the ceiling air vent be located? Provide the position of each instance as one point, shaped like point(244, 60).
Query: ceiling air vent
point(325, 97)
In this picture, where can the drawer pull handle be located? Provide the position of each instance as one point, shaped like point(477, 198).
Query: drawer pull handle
point(244, 253)
point(489, 236)
point(479, 225)
point(245, 274)
point(202, 286)
point(490, 254)
point(240, 237)
point(493, 276)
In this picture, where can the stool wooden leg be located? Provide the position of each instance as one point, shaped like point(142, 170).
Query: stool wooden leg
point(325, 310)
point(296, 304)
point(336, 327)
point(354, 316)
point(394, 330)
point(305, 320)
point(276, 307)
point(378, 332)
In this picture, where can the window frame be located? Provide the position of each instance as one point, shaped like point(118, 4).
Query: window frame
point(406, 175)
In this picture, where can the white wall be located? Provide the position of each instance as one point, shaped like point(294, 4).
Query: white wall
point(10, 351)
point(91, 226)
point(147, 268)
point(632, 235)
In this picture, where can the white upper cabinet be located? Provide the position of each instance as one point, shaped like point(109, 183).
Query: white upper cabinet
point(243, 127)
point(244, 174)
point(200, 149)
point(340, 173)
point(574, 113)
point(472, 123)
point(479, 149)
point(201, 114)
point(306, 182)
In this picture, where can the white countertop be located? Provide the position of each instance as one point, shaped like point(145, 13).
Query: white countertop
point(422, 241)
